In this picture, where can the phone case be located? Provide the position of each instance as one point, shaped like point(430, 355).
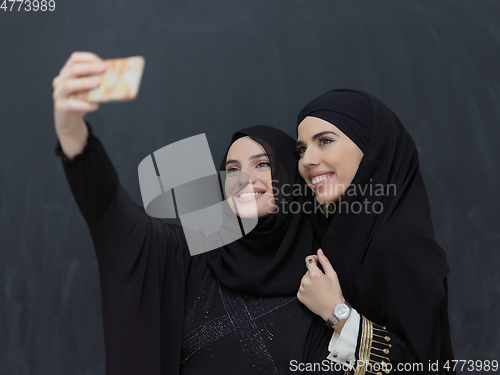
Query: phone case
point(120, 81)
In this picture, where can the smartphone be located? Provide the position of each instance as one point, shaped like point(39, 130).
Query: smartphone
point(120, 81)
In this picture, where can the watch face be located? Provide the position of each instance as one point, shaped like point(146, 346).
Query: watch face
point(342, 310)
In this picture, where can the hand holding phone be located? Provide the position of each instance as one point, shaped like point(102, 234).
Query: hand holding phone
point(120, 81)
point(83, 82)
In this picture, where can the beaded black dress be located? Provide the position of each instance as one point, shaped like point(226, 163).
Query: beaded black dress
point(164, 312)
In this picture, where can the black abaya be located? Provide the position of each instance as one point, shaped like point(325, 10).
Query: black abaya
point(389, 265)
point(165, 312)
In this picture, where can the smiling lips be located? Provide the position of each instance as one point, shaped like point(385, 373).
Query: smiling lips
point(249, 194)
point(320, 178)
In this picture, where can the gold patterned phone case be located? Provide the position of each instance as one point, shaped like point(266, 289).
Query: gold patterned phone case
point(120, 81)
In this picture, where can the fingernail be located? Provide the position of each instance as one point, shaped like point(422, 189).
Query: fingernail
point(320, 251)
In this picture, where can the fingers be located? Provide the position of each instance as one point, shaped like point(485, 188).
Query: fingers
point(311, 261)
point(83, 56)
point(325, 263)
point(74, 85)
point(77, 57)
point(82, 69)
point(78, 74)
point(79, 65)
point(313, 257)
point(74, 105)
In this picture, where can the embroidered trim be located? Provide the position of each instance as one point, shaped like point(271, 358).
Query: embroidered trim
point(369, 343)
point(364, 345)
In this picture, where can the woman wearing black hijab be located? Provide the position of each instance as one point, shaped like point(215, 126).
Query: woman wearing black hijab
point(230, 310)
point(380, 253)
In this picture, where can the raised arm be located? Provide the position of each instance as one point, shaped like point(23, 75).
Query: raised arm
point(143, 263)
point(77, 74)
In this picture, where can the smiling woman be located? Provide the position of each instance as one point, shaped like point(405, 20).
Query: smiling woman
point(386, 264)
point(335, 152)
point(249, 179)
point(232, 310)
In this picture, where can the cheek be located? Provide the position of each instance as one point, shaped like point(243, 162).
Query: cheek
point(334, 159)
point(269, 183)
point(302, 171)
point(350, 163)
point(229, 186)
point(226, 188)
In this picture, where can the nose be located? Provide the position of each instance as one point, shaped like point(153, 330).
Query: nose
point(246, 177)
point(309, 158)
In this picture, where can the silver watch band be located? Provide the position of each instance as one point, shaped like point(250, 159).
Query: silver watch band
point(334, 319)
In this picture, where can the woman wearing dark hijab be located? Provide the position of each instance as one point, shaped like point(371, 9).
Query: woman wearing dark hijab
point(232, 310)
point(379, 254)
point(229, 310)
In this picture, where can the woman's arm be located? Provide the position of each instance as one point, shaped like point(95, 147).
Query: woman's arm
point(143, 263)
point(356, 338)
point(91, 176)
point(378, 346)
point(93, 183)
point(77, 74)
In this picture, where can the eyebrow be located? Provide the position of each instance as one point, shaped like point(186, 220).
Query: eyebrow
point(316, 136)
point(250, 158)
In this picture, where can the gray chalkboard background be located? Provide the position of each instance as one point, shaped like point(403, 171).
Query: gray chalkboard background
point(214, 67)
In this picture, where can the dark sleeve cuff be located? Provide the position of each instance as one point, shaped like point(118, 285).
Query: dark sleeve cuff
point(373, 349)
point(91, 176)
point(90, 140)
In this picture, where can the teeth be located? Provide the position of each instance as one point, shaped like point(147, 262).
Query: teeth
point(248, 195)
point(315, 180)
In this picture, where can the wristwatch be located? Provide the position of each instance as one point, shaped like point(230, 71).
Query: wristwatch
point(341, 311)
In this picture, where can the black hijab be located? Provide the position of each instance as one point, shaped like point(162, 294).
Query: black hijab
point(269, 261)
point(389, 264)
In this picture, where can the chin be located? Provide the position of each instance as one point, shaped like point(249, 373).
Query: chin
point(265, 211)
point(322, 196)
point(324, 199)
point(267, 207)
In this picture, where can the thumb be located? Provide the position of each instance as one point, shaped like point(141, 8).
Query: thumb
point(325, 263)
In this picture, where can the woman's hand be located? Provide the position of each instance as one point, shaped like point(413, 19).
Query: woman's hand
point(319, 291)
point(78, 74)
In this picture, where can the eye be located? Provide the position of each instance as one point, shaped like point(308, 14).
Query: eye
point(300, 150)
point(324, 141)
point(232, 170)
point(263, 164)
